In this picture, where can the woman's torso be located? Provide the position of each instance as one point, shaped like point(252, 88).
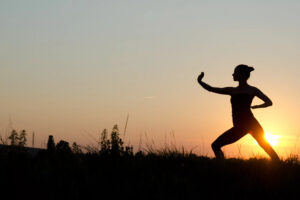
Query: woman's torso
point(241, 107)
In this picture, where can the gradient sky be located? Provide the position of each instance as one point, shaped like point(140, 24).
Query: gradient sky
point(73, 68)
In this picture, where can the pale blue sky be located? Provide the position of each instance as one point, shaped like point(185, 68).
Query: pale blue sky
point(72, 67)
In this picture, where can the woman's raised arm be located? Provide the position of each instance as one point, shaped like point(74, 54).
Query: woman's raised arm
point(225, 90)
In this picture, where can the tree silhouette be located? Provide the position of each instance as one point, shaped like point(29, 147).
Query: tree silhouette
point(114, 145)
point(76, 148)
point(104, 142)
point(51, 144)
point(116, 141)
point(13, 138)
point(63, 147)
point(22, 138)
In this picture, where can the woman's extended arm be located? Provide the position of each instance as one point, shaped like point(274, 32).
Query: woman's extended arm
point(226, 90)
point(262, 96)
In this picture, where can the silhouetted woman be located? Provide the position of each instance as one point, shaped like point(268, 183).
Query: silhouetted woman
point(243, 120)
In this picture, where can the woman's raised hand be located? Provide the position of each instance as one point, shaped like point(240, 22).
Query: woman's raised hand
point(200, 77)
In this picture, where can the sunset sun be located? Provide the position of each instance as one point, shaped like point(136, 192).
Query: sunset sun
point(272, 139)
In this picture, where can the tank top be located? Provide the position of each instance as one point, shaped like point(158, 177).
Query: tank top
point(241, 111)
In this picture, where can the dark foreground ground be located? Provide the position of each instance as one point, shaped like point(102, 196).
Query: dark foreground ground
point(169, 176)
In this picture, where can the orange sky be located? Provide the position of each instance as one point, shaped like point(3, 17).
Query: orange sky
point(72, 69)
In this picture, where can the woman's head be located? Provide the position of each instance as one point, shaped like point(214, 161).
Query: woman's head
point(242, 72)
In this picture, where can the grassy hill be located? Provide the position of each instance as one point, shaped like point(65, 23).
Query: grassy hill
point(164, 175)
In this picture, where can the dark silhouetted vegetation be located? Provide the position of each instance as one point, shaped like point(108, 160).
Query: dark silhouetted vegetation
point(17, 139)
point(51, 144)
point(114, 171)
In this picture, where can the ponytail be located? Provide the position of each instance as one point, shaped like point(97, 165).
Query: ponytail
point(250, 69)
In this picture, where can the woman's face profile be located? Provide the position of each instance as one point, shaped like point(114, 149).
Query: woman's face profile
point(239, 75)
point(236, 75)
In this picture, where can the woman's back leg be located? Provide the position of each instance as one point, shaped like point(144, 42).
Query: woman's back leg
point(258, 134)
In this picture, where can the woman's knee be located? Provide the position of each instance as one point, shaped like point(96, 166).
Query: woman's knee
point(215, 145)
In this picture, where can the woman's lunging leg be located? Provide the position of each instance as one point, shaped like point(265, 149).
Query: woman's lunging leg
point(229, 137)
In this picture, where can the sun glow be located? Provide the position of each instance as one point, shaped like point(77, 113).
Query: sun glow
point(272, 139)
